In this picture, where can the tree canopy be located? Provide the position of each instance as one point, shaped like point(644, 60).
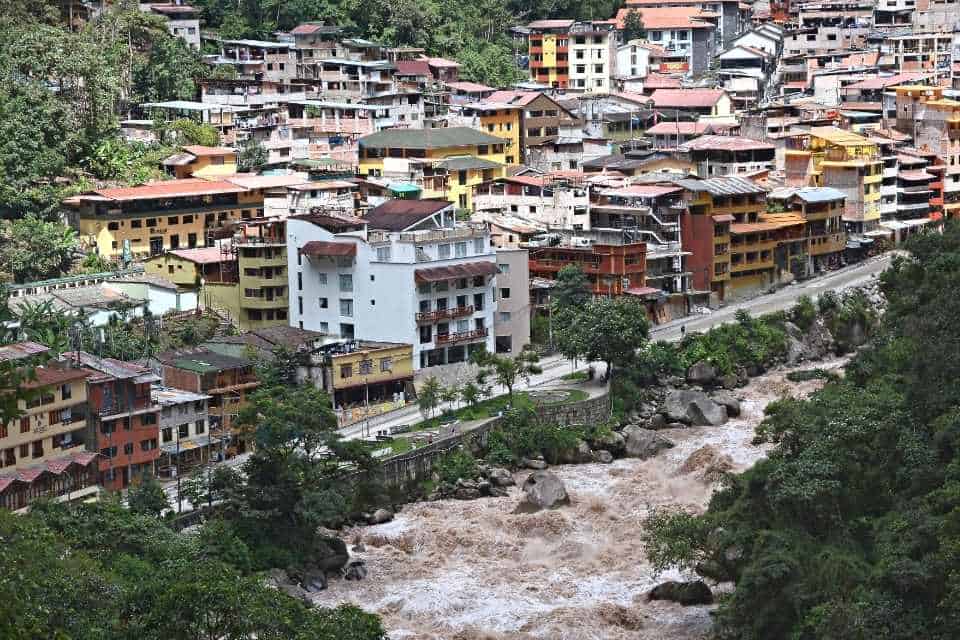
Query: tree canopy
point(849, 528)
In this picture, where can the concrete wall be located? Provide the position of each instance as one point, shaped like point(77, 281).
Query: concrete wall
point(514, 274)
point(702, 50)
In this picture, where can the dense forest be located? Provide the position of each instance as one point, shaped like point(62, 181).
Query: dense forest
point(850, 528)
point(64, 93)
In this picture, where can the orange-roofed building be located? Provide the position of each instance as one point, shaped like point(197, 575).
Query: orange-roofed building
point(142, 221)
point(202, 162)
point(687, 35)
point(733, 17)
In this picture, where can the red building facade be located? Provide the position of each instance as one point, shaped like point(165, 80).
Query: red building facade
point(611, 269)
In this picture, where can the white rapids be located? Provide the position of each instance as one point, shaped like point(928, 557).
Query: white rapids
point(455, 570)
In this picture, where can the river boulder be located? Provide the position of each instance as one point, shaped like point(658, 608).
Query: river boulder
point(728, 400)
point(542, 490)
point(644, 443)
point(500, 477)
point(612, 441)
point(685, 593)
point(380, 516)
point(694, 408)
point(701, 373)
point(577, 455)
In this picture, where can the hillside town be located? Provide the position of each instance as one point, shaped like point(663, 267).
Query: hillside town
point(244, 245)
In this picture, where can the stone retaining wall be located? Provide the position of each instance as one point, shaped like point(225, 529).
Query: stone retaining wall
point(418, 464)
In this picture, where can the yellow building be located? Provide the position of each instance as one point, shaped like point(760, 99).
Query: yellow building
point(824, 234)
point(444, 163)
point(735, 245)
point(851, 163)
point(202, 162)
point(252, 288)
point(147, 220)
point(367, 378)
point(42, 452)
point(501, 120)
point(549, 50)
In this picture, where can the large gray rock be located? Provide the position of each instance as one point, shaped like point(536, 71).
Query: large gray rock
point(380, 516)
point(693, 408)
point(542, 490)
point(685, 593)
point(577, 455)
point(701, 373)
point(603, 456)
point(537, 464)
point(613, 441)
point(727, 399)
point(330, 553)
point(657, 421)
point(500, 477)
point(643, 443)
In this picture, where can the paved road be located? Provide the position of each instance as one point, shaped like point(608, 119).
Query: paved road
point(555, 367)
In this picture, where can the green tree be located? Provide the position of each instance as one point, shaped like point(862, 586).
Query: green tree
point(428, 397)
point(191, 132)
point(148, 498)
point(632, 26)
point(470, 393)
point(506, 370)
point(572, 290)
point(252, 155)
point(606, 329)
point(450, 394)
point(32, 249)
point(95, 263)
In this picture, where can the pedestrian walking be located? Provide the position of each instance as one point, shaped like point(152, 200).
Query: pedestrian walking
point(683, 331)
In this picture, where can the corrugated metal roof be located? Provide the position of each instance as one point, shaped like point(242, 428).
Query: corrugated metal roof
point(317, 248)
point(808, 194)
point(463, 163)
point(429, 138)
point(722, 186)
point(464, 270)
point(21, 350)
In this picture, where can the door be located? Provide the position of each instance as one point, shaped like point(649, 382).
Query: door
point(156, 245)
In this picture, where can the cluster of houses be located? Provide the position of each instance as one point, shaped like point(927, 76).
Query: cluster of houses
point(686, 153)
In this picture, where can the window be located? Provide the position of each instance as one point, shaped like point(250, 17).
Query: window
point(346, 282)
point(299, 281)
point(3, 431)
point(107, 452)
point(324, 327)
point(200, 426)
point(346, 308)
point(366, 367)
point(166, 434)
point(324, 304)
point(504, 316)
point(25, 424)
point(504, 293)
point(386, 365)
point(462, 283)
point(148, 419)
point(148, 445)
point(478, 281)
point(478, 302)
point(183, 431)
point(346, 370)
point(581, 68)
point(426, 334)
point(173, 220)
point(25, 450)
point(463, 326)
point(443, 251)
point(598, 68)
point(461, 249)
point(383, 254)
point(128, 448)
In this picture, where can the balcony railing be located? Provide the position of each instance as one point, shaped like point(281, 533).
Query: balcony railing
point(463, 336)
point(444, 314)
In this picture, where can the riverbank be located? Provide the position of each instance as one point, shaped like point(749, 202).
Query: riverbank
point(469, 570)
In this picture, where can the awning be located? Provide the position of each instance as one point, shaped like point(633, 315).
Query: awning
point(404, 187)
point(188, 444)
point(723, 217)
point(644, 292)
point(454, 271)
point(318, 248)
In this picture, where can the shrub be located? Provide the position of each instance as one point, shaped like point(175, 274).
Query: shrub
point(455, 465)
point(804, 313)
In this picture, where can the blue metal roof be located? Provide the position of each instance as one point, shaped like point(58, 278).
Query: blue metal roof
point(809, 194)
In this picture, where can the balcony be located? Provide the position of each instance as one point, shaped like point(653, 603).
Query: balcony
point(463, 336)
point(429, 317)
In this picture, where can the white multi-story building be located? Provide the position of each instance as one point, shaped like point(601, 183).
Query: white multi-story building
point(405, 273)
point(182, 21)
point(591, 56)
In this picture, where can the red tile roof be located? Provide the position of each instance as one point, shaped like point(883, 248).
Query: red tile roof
point(307, 28)
point(882, 82)
point(724, 143)
point(669, 17)
point(659, 81)
point(54, 375)
point(680, 98)
point(20, 350)
point(397, 215)
point(513, 97)
point(201, 151)
point(412, 68)
point(317, 248)
point(442, 63)
point(202, 255)
point(469, 87)
point(170, 189)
